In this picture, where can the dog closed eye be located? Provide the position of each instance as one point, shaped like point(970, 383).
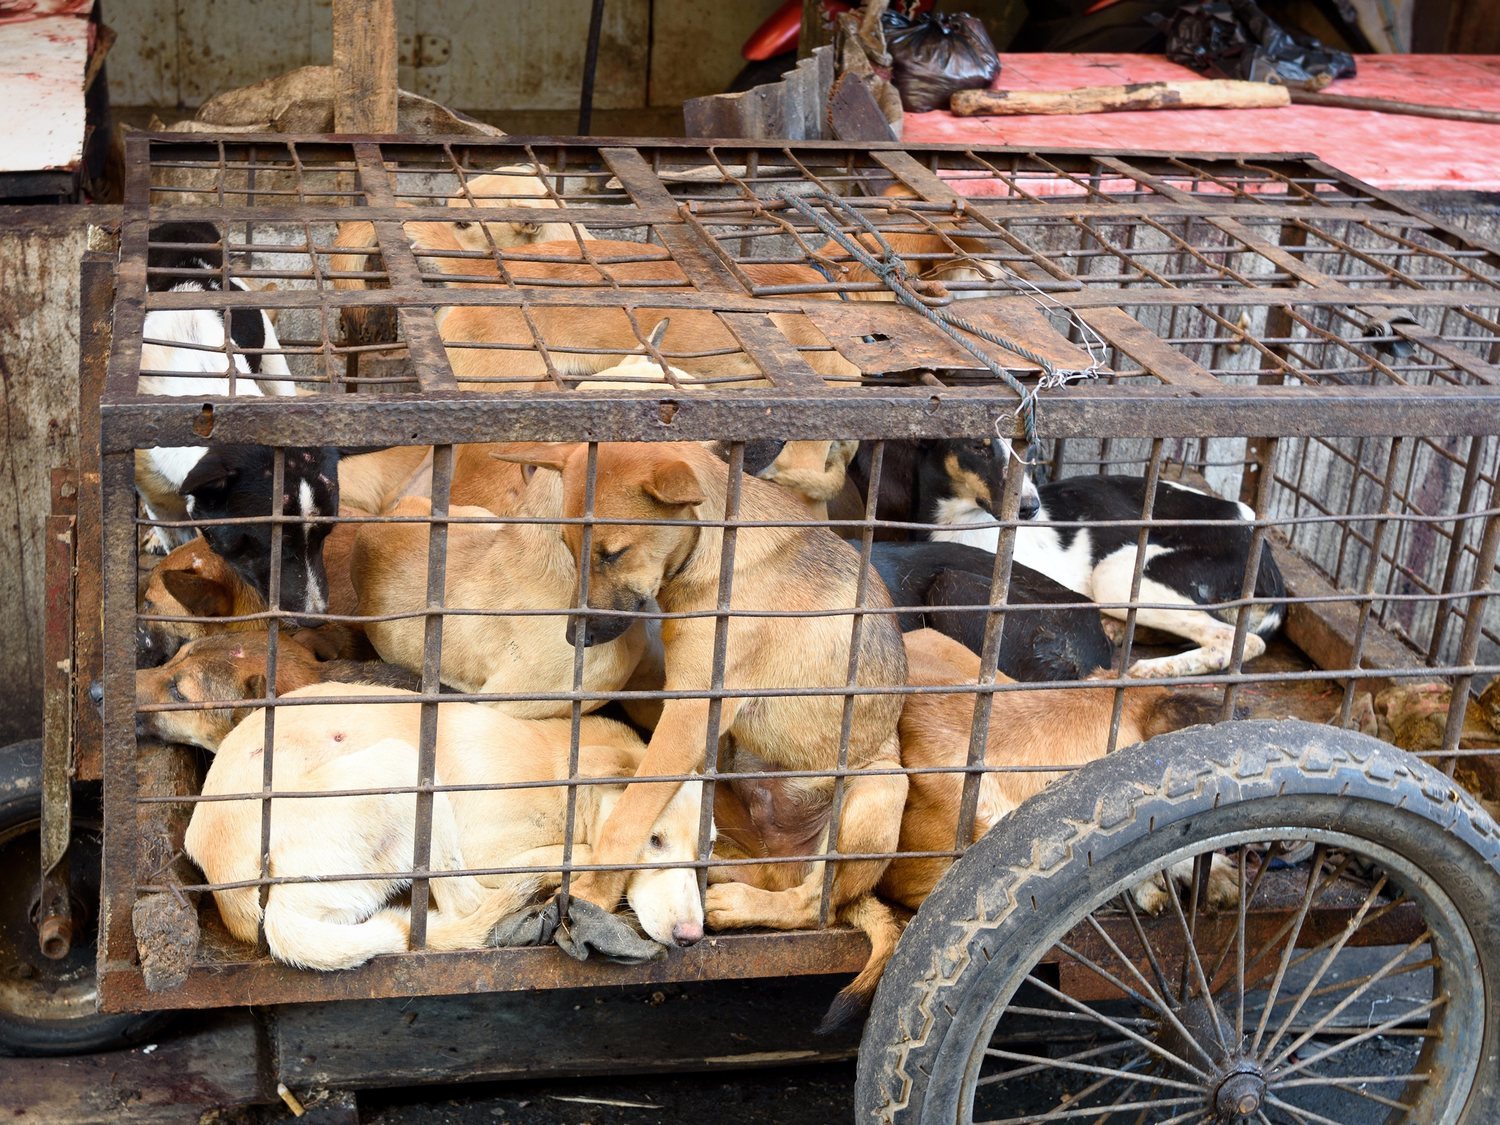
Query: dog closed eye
point(605, 557)
point(174, 691)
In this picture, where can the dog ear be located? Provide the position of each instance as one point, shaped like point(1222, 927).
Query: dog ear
point(542, 454)
point(211, 472)
point(675, 484)
point(657, 333)
point(530, 229)
point(199, 596)
point(255, 688)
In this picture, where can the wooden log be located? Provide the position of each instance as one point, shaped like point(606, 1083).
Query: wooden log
point(165, 922)
point(364, 59)
point(1214, 94)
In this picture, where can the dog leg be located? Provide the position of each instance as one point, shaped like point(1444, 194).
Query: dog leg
point(869, 822)
point(676, 747)
point(1223, 885)
point(1215, 638)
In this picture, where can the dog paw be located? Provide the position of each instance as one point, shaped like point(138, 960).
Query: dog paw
point(1223, 891)
point(724, 906)
point(1151, 895)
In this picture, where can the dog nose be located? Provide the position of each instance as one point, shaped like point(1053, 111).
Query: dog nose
point(96, 693)
point(1029, 508)
point(687, 933)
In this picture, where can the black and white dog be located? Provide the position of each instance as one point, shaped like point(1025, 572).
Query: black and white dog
point(1201, 562)
point(185, 354)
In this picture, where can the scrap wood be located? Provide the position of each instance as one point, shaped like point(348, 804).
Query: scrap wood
point(1390, 105)
point(1219, 93)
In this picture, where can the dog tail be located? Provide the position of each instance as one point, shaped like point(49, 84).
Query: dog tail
point(448, 930)
point(311, 943)
point(1160, 710)
point(883, 927)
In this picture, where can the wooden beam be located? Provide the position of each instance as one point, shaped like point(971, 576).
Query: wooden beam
point(364, 62)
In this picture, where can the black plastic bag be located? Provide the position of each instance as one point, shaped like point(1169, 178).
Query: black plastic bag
point(1235, 39)
point(935, 54)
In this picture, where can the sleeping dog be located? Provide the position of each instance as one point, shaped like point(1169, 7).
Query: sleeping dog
point(184, 355)
point(1187, 565)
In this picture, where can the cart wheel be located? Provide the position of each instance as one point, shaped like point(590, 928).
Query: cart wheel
point(50, 1007)
point(1351, 986)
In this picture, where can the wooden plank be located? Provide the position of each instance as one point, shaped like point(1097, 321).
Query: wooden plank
point(700, 1026)
point(1146, 348)
point(364, 62)
point(39, 252)
point(1325, 630)
point(223, 1063)
point(1221, 93)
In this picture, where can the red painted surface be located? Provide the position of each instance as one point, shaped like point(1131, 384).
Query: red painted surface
point(1388, 150)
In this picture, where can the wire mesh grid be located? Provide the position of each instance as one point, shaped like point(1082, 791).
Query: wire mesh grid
point(1261, 329)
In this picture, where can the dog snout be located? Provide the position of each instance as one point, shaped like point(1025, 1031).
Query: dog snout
point(687, 933)
point(96, 693)
point(1030, 505)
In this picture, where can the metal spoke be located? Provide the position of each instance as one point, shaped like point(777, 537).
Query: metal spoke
point(1192, 950)
point(1349, 931)
point(1161, 1006)
point(1290, 948)
point(1054, 1014)
point(1071, 1114)
point(1370, 1033)
point(1154, 1048)
point(1378, 975)
point(1302, 1114)
point(1140, 932)
point(1274, 940)
point(1247, 897)
point(1086, 1068)
point(1239, 946)
point(1044, 1061)
point(1343, 1085)
point(1104, 974)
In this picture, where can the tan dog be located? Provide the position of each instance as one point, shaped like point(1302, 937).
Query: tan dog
point(1035, 727)
point(230, 668)
point(360, 745)
point(509, 187)
point(491, 567)
point(780, 568)
point(582, 341)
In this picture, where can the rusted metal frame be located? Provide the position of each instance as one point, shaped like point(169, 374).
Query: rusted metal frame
point(273, 637)
point(1137, 574)
point(1447, 611)
point(1125, 334)
point(851, 682)
point(1418, 251)
point(423, 344)
point(1382, 272)
point(119, 876)
point(1347, 534)
point(96, 290)
point(865, 413)
point(1366, 599)
point(777, 359)
point(129, 310)
point(1247, 588)
point(432, 664)
point(1397, 568)
point(637, 177)
point(1468, 644)
point(728, 541)
point(989, 654)
point(54, 913)
point(1320, 337)
point(1186, 248)
point(1466, 361)
point(580, 652)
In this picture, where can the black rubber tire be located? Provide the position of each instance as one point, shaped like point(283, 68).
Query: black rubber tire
point(20, 814)
point(988, 922)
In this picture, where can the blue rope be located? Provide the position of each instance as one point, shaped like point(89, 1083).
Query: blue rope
point(893, 274)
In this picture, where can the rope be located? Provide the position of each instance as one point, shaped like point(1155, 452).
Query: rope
point(893, 274)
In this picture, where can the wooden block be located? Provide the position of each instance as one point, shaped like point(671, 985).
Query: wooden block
point(364, 59)
point(854, 114)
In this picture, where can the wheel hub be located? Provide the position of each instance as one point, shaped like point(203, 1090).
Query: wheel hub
point(1240, 1093)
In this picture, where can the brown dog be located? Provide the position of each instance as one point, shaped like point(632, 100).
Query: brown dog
point(230, 668)
point(798, 568)
point(491, 567)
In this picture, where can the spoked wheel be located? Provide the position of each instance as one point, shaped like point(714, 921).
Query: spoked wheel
point(47, 1006)
point(1338, 962)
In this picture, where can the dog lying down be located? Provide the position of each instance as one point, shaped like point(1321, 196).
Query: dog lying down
point(355, 744)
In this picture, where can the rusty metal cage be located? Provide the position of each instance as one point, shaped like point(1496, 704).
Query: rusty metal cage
point(1263, 327)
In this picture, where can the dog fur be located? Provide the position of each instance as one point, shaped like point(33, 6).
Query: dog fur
point(803, 568)
point(491, 567)
point(357, 744)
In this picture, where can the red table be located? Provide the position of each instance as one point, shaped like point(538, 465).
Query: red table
point(1389, 151)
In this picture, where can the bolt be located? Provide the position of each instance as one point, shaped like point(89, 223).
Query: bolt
point(55, 936)
point(1240, 1095)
